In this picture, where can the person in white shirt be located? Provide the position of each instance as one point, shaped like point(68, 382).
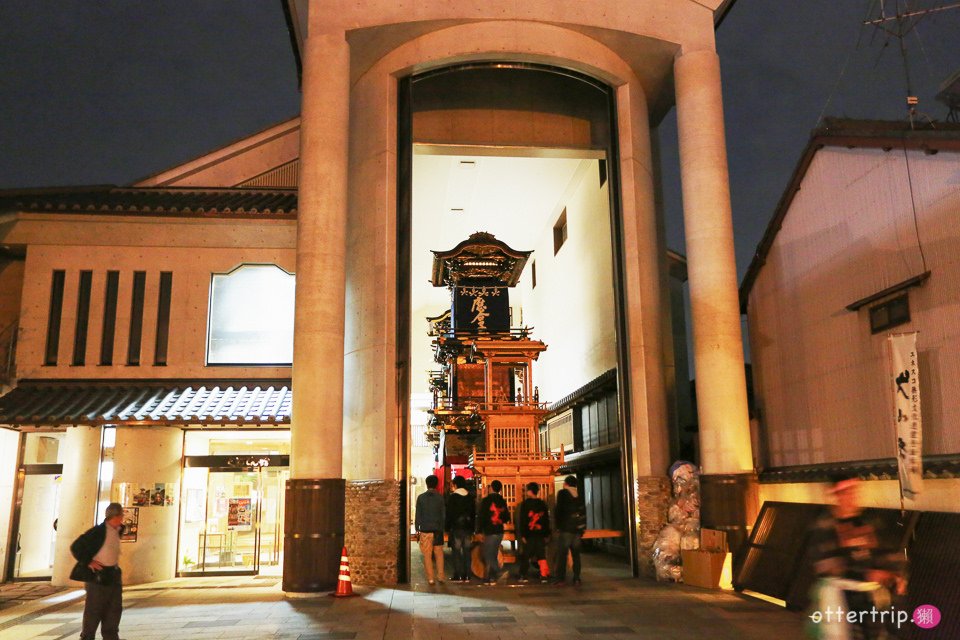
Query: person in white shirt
point(98, 555)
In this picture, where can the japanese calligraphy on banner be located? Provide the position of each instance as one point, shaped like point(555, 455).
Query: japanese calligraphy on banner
point(905, 385)
point(481, 308)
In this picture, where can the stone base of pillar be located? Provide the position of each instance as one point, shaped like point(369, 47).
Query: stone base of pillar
point(373, 531)
point(653, 499)
point(313, 534)
point(730, 502)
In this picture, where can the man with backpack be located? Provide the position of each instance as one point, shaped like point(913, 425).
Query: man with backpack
point(533, 529)
point(460, 524)
point(570, 516)
point(491, 516)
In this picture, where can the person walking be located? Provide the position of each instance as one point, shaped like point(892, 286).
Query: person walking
point(570, 516)
point(429, 523)
point(460, 525)
point(856, 572)
point(491, 516)
point(533, 529)
point(97, 552)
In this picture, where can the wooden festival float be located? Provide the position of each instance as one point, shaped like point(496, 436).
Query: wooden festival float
point(486, 410)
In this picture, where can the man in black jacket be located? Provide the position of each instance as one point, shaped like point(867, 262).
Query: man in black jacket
point(460, 523)
point(491, 516)
point(570, 516)
point(533, 529)
point(98, 554)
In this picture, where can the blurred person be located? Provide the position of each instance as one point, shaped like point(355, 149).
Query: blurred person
point(97, 552)
point(460, 526)
point(533, 530)
point(856, 571)
point(491, 516)
point(429, 523)
point(570, 519)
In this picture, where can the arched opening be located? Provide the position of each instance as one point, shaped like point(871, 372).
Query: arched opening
point(527, 153)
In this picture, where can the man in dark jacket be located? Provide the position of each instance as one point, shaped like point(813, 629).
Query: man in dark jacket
point(98, 553)
point(570, 516)
point(491, 516)
point(429, 522)
point(533, 529)
point(460, 524)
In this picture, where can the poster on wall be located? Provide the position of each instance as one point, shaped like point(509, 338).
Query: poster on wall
point(132, 494)
point(240, 514)
point(131, 522)
point(906, 413)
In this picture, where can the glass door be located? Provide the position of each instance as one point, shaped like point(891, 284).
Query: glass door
point(36, 534)
point(232, 521)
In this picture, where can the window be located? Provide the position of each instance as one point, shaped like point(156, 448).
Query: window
point(136, 317)
point(53, 318)
point(889, 314)
point(533, 274)
point(251, 316)
point(163, 318)
point(83, 317)
point(109, 317)
point(560, 231)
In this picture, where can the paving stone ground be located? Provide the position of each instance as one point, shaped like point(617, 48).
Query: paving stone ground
point(610, 604)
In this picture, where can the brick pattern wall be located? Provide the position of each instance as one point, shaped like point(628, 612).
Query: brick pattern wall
point(372, 530)
point(653, 499)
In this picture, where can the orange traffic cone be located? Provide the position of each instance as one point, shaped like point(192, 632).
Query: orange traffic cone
point(344, 585)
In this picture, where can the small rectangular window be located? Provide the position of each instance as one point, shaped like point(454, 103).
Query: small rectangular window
point(560, 231)
point(109, 317)
point(53, 317)
point(136, 317)
point(533, 274)
point(83, 317)
point(890, 314)
point(163, 318)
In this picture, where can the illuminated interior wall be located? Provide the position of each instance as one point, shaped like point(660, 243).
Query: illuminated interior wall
point(572, 306)
point(8, 477)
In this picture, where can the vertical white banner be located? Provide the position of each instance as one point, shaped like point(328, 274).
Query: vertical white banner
point(906, 393)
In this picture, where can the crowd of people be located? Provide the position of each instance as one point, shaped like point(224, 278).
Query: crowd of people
point(544, 542)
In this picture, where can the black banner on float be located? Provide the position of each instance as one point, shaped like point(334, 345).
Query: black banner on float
point(481, 307)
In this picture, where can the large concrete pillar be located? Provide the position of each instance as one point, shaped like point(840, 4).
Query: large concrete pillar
point(146, 456)
point(315, 491)
point(78, 496)
point(729, 485)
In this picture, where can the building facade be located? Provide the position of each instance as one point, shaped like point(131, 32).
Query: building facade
point(863, 245)
point(381, 84)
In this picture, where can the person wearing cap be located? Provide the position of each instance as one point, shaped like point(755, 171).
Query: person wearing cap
point(97, 552)
point(851, 561)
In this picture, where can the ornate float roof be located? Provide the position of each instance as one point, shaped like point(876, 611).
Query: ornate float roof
point(479, 257)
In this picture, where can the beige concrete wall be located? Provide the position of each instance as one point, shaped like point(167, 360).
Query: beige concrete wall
point(572, 308)
point(147, 456)
point(191, 251)
point(370, 414)
point(78, 498)
point(821, 378)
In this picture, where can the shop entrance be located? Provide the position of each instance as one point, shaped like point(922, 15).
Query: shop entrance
point(231, 521)
point(36, 506)
point(232, 503)
point(36, 530)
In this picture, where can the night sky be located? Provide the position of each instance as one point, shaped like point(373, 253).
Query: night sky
point(109, 91)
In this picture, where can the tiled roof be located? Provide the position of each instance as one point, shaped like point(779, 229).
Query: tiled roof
point(131, 402)
point(166, 201)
